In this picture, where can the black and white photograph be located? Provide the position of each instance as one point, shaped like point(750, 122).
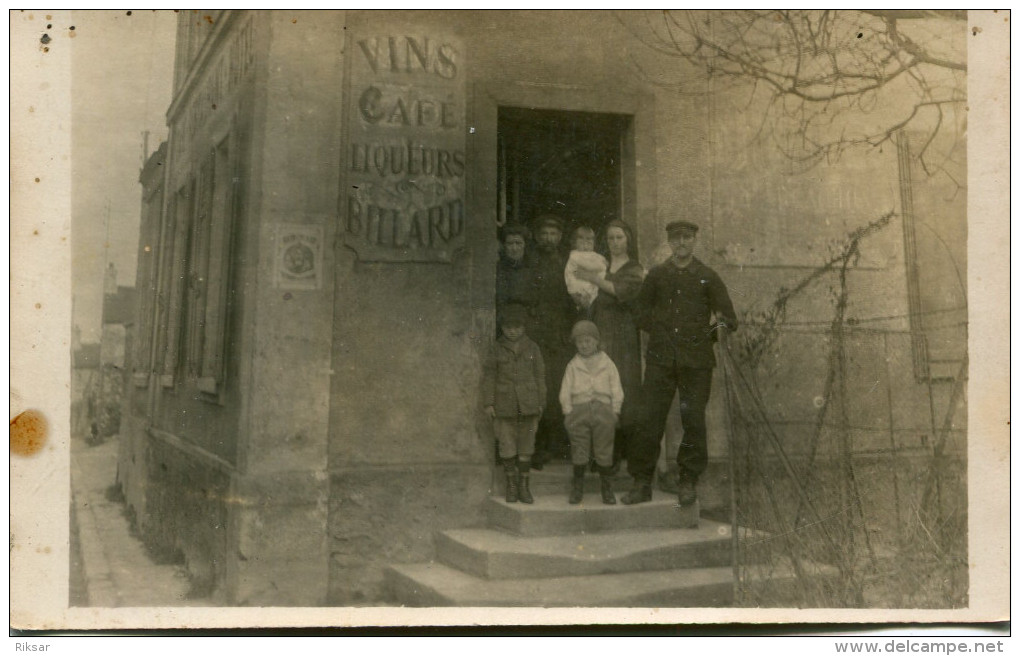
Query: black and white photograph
point(636, 315)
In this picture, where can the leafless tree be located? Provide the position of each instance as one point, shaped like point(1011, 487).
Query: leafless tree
point(828, 80)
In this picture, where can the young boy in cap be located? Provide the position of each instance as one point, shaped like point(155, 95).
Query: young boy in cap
point(591, 397)
point(675, 307)
point(513, 394)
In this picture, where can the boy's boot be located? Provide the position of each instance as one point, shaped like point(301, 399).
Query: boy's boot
point(523, 492)
point(640, 493)
point(577, 485)
point(606, 476)
point(510, 469)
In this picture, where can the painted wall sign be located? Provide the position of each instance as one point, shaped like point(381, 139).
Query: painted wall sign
point(404, 160)
point(298, 258)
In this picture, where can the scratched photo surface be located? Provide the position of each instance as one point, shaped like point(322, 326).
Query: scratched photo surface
point(326, 279)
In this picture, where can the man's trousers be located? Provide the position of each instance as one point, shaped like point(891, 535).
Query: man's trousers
point(660, 385)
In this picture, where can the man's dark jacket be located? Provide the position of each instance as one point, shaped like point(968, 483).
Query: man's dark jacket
point(675, 308)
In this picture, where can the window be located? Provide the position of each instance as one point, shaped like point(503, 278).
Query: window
point(197, 270)
point(176, 266)
point(197, 262)
point(934, 208)
point(147, 282)
point(194, 27)
point(210, 360)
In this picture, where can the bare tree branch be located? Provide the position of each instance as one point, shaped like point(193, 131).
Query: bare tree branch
point(827, 80)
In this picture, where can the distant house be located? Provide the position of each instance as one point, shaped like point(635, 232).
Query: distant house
point(84, 381)
point(86, 356)
point(99, 375)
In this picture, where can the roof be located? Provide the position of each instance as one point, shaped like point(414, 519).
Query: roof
point(152, 172)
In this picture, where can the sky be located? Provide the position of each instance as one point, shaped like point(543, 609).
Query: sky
point(122, 76)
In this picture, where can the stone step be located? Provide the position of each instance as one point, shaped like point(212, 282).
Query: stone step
point(436, 584)
point(555, 478)
point(495, 554)
point(552, 515)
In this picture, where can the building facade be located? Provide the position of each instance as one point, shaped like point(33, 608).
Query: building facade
point(317, 261)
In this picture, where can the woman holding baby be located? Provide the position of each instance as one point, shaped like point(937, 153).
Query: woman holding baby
point(613, 312)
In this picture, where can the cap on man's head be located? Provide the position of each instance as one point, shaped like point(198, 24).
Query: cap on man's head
point(584, 328)
point(514, 315)
point(680, 227)
point(549, 220)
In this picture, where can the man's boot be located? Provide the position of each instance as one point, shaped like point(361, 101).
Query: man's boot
point(510, 469)
point(686, 492)
point(523, 492)
point(640, 493)
point(606, 476)
point(577, 485)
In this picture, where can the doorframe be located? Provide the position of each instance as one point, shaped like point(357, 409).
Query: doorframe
point(637, 186)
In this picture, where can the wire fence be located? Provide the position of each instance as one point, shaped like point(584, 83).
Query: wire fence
point(861, 502)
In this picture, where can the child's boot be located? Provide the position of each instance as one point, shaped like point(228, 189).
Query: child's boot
point(523, 491)
point(606, 476)
point(510, 469)
point(577, 485)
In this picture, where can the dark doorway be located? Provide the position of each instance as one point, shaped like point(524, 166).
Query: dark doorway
point(564, 163)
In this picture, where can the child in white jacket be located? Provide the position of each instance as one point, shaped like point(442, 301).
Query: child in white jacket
point(591, 396)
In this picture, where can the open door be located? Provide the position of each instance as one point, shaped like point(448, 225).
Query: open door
point(560, 162)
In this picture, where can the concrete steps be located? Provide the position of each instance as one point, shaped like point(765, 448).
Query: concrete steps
point(554, 479)
point(493, 554)
point(435, 584)
point(551, 553)
point(552, 515)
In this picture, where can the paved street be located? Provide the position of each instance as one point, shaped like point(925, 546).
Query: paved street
point(110, 567)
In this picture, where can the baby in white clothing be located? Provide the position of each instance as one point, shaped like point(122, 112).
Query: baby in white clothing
point(583, 256)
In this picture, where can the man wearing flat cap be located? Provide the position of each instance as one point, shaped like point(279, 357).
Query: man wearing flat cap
point(553, 316)
point(675, 307)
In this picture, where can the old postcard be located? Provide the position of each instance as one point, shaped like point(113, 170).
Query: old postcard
point(381, 318)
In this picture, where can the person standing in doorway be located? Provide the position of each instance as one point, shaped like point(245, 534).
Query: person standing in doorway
point(552, 319)
point(614, 313)
point(515, 280)
point(676, 304)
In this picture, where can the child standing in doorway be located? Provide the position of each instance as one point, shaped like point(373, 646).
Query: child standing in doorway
point(592, 397)
point(513, 391)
